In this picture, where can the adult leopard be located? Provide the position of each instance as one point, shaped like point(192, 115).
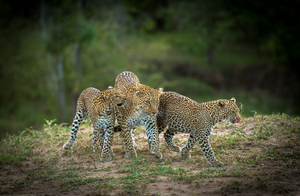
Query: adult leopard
point(178, 113)
point(140, 109)
point(99, 106)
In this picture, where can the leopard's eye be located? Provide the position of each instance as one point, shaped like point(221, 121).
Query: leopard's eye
point(148, 102)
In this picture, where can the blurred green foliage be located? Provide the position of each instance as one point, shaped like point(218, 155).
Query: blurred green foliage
point(53, 50)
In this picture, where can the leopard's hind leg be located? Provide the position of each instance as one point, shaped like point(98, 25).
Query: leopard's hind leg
point(75, 126)
point(168, 135)
point(185, 150)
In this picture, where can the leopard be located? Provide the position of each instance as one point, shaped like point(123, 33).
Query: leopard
point(100, 108)
point(140, 109)
point(177, 113)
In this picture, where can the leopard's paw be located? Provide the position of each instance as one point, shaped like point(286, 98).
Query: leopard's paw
point(185, 156)
point(112, 153)
point(175, 148)
point(130, 155)
point(68, 144)
point(158, 155)
point(106, 157)
point(216, 163)
point(155, 151)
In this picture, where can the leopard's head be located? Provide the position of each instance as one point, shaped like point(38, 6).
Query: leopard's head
point(147, 98)
point(229, 110)
point(118, 98)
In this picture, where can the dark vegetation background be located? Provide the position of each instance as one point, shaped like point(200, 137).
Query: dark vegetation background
point(50, 51)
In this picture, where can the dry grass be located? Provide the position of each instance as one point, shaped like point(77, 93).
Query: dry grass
point(260, 155)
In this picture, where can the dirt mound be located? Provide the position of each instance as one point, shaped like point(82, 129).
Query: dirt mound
point(260, 156)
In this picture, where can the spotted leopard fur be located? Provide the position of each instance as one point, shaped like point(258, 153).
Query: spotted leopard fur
point(99, 106)
point(178, 113)
point(140, 109)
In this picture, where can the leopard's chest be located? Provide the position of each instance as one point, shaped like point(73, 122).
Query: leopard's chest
point(103, 117)
point(138, 118)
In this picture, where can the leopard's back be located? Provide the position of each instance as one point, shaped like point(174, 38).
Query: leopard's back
point(126, 79)
point(184, 114)
point(177, 111)
point(86, 99)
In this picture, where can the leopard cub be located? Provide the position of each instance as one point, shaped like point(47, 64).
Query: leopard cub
point(178, 113)
point(99, 106)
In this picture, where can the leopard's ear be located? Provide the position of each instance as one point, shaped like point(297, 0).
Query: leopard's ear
point(110, 87)
point(117, 98)
point(105, 96)
point(233, 99)
point(138, 92)
point(160, 90)
point(132, 89)
point(221, 103)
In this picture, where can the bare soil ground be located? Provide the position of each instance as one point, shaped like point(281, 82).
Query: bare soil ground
point(260, 155)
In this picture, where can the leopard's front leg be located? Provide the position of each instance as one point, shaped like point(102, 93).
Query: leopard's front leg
point(121, 138)
point(208, 152)
point(153, 137)
point(107, 153)
point(98, 137)
point(129, 148)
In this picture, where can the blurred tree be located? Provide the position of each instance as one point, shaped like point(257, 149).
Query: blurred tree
point(51, 50)
point(67, 27)
point(148, 15)
point(271, 26)
point(20, 68)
